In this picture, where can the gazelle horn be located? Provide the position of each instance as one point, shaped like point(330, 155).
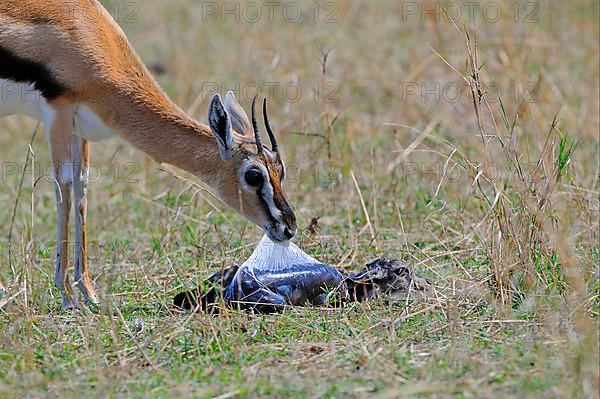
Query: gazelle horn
point(259, 146)
point(274, 147)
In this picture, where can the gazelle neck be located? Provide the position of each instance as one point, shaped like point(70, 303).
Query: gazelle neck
point(155, 125)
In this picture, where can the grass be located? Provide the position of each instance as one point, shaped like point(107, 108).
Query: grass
point(493, 195)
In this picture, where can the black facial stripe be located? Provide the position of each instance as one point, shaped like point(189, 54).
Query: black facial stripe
point(266, 206)
point(24, 71)
point(263, 201)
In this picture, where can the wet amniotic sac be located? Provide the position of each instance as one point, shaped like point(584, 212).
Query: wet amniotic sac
point(277, 276)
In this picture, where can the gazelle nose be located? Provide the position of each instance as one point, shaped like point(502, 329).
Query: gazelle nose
point(288, 234)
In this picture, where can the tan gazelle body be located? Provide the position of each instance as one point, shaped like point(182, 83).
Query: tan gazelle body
point(68, 64)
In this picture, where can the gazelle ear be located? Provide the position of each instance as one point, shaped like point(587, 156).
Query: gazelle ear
point(220, 124)
point(239, 119)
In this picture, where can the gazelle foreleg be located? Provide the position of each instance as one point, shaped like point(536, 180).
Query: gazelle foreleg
point(80, 154)
point(59, 127)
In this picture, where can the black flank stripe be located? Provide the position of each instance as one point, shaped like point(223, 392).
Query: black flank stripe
point(25, 71)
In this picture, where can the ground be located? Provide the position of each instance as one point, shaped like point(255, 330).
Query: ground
point(495, 200)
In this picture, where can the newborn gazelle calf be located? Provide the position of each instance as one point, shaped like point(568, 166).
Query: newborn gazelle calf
point(280, 275)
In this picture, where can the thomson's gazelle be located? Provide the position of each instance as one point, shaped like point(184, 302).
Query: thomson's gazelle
point(87, 75)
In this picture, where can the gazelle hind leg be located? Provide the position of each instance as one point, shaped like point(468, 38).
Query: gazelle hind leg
point(59, 126)
point(80, 154)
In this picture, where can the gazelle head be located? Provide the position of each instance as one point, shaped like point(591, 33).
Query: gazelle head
point(253, 173)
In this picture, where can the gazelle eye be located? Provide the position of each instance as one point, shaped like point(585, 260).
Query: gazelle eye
point(254, 178)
